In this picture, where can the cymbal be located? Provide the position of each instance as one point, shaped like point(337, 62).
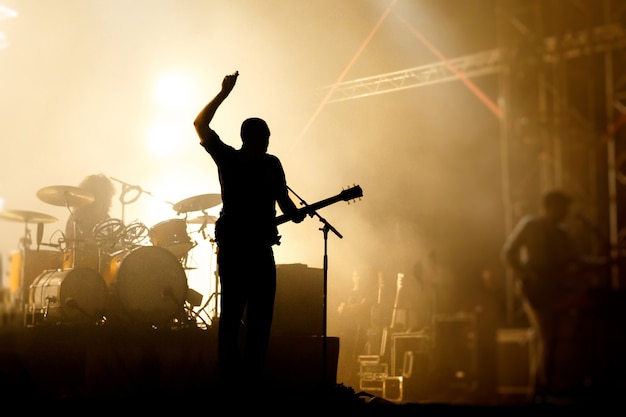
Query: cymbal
point(206, 219)
point(65, 195)
point(198, 203)
point(26, 216)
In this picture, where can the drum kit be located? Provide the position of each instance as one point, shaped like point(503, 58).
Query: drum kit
point(127, 281)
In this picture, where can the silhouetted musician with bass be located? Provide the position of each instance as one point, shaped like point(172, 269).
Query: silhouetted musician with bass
point(551, 272)
point(252, 183)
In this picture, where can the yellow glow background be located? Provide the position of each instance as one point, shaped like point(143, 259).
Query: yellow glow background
point(113, 87)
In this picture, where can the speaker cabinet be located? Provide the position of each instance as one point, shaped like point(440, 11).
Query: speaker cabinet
point(299, 304)
point(455, 351)
point(515, 361)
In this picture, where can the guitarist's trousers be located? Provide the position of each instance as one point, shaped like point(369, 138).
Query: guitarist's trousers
point(248, 289)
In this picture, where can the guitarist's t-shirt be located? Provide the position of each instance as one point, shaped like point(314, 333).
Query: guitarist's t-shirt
point(250, 189)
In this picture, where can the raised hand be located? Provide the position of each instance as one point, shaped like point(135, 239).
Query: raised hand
point(229, 82)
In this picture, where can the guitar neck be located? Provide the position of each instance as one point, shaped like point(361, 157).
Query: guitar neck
point(354, 192)
point(309, 209)
point(395, 303)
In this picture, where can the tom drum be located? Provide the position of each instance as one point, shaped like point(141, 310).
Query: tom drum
point(172, 235)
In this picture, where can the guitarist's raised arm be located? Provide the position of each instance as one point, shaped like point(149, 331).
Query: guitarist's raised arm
point(204, 118)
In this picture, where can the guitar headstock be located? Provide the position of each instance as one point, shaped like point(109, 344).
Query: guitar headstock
point(351, 193)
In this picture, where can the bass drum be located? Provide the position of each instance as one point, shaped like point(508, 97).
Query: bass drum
point(150, 285)
point(68, 296)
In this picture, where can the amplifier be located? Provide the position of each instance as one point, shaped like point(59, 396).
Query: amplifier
point(515, 360)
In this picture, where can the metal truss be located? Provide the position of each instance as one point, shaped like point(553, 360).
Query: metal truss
point(482, 63)
point(552, 49)
point(585, 42)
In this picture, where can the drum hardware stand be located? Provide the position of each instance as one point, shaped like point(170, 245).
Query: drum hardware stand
point(25, 242)
point(75, 228)
point(216, 294)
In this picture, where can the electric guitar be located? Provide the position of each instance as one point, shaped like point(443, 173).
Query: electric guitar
point(222, 226)
point(351, 193)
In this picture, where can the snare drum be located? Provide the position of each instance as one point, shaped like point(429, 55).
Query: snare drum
point(68, 296)
point(171, 235)
point(149, 284)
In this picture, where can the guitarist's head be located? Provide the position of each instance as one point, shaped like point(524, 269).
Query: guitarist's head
point(556, 206)
point(255, 135)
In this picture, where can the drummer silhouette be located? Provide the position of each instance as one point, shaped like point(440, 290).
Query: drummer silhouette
point(79, 228)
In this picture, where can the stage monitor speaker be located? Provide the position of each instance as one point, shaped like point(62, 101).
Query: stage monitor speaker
point(299, 304)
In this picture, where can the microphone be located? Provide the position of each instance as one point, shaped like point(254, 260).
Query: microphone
point(121, 182)
point(51, 245)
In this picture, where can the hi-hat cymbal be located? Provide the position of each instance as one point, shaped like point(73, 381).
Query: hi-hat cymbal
point(197, 203)
point(65, 195)
point(206, 219)
point(25, 216)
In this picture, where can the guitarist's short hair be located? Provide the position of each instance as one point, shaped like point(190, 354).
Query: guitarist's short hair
point(253, 128)
point(556, 197)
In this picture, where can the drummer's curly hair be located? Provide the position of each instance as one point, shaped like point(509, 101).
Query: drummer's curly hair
point(101, 187)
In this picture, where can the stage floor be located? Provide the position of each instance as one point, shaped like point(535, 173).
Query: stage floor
point(85, 368)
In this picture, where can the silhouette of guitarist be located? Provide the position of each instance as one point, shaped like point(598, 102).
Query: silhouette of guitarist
point(252, 183)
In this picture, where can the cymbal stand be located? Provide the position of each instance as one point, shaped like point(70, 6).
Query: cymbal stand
point(213, 313)
point(25, 242)
point(74, 238)
point(216, 293)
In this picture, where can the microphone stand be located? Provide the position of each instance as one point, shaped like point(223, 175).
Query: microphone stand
point(126, 188)
point(327, 226)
